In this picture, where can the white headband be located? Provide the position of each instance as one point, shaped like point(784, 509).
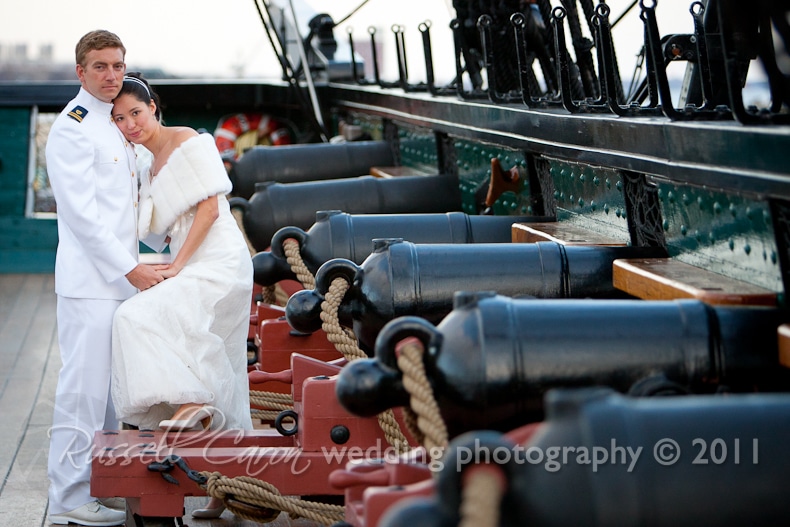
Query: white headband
point(141, 83)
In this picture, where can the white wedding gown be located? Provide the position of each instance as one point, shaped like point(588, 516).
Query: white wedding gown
point(185, 339)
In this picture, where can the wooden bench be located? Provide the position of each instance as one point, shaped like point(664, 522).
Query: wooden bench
point(668, 279)
point(559, 232)
point(388, 172)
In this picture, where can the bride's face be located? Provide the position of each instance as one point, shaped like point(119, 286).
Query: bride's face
point(134, 118)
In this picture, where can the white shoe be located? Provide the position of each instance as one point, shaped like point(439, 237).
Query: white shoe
point(197, 417)
point(119, 504)
point(93, 514)
point(208, 513)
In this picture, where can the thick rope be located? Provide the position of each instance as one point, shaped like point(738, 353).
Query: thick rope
point(294, 258)
point(392, 432)
point(268, 295)
point(343, 338)
point(423, 403)
point(346, 343)
point(410, 420)
point(281, 295)
point(481, 499)
point(272, 400)
point(264, 495)
point(239, 216)
point(264, 415)
point(271, 403)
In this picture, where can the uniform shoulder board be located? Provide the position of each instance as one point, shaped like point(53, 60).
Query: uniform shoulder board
point(78, 113)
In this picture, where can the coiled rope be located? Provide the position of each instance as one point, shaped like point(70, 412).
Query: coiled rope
point(265, 496)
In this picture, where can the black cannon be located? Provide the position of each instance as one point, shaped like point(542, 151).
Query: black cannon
point(621, 461)
point(337, 234)
point(402, 278)
point(492, 359)
point(307, 162)
point(277, 205)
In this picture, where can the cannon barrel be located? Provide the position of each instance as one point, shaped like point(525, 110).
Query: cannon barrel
point(492, 359)
point(277, 205)
point(306, 162)
point(729, 471)
point(337, 234)
point(402, 278)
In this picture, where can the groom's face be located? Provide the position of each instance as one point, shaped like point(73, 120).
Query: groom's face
point(102, 73)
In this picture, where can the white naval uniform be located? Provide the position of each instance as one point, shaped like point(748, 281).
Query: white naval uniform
point(93, 176)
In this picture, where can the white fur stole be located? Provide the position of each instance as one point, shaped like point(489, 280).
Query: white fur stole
point(192, 173)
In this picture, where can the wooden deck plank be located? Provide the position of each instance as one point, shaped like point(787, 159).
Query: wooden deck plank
point(9, 286)
point(15, 307)
point(27, 343)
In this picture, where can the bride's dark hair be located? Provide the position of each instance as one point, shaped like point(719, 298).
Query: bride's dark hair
point(136, 85)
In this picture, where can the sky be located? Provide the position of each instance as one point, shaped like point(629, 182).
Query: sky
point(211, 38)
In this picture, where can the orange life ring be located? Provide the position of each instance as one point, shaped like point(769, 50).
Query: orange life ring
point(229, 128)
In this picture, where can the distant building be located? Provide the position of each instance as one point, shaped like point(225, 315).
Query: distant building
point(17, 65)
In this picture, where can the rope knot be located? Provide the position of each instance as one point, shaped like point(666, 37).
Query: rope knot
point(213, 488)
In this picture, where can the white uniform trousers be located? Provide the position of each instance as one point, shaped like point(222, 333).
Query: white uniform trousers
point(82, 400)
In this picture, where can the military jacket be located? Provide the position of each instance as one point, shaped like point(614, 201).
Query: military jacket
point(91, 168)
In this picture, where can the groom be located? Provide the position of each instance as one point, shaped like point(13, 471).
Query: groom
point(93, 176)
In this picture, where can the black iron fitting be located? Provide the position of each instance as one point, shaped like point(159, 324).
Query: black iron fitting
point(166, 466)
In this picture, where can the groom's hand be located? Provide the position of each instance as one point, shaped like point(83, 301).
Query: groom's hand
point(144, 276)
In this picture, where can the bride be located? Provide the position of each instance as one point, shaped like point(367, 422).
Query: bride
point(180, 348)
